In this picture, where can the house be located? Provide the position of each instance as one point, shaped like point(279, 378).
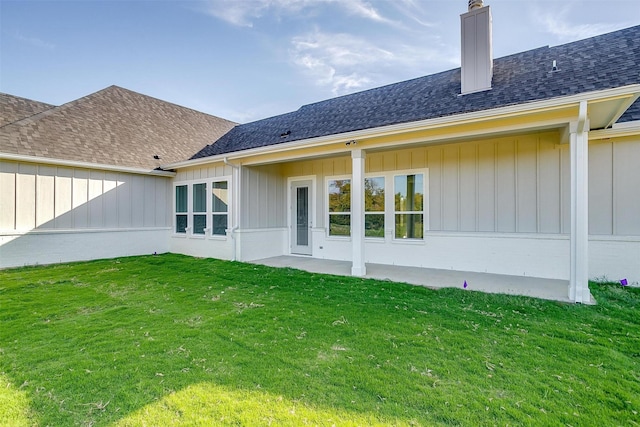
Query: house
point(83, 180)
point(521, 165)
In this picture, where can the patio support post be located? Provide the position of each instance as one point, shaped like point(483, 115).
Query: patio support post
point(579, 239)
point(357, 213)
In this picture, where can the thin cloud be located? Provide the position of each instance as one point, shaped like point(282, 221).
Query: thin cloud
point(558, 24)
point(415, 11)
point(346, 63)
point(336, 59)
point(34, 41)
point(244, 13)
point(239, 13)
point(362, 9)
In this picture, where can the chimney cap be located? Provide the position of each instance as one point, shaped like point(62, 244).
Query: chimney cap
point(475, 4)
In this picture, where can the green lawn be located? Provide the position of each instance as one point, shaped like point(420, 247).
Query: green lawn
point(175, 340)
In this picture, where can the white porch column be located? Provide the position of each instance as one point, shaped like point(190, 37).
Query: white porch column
point(579, 264)
point(357, 213)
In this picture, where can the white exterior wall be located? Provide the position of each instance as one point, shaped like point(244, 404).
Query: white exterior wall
point(262, 243)
point(200, 246)
point(264, 198)
point(221, 247)
point(55, 246)
point(261, 232)
point(501, 205)
point(614, 209)
point(57, 214)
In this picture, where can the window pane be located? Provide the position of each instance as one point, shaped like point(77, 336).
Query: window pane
point(374, 194)
point(220, 196)
point(339, 225)
point(409, 194)
point(302, 216)
point(181, 223)
point(181, 198)
point(200, 198)
point(340, 195)
point(219, 225)
point(409, 226)
point(199, 224)
point(374, 225)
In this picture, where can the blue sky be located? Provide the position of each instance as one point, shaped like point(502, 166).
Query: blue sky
point(249, 59)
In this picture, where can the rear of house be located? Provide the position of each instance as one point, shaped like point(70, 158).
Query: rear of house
point(523, 165)
point(531, 176)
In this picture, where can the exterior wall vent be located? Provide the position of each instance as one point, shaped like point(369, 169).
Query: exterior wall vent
point(477, 50)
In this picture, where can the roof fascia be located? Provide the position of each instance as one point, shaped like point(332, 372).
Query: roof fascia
point(476, 116)
point(621, 131)
point(85, 165)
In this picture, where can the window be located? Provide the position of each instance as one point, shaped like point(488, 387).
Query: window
point(203, 208)
point(181, 209)
point(340, 207)
point(199, 208)
point(220, 208)
point(409, 210)
point(374, 207)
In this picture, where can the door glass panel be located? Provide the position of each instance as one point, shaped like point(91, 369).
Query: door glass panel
point(302, 216)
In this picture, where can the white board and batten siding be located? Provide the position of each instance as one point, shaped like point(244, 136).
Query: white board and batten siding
point(614, 209)
point(501, 205)
point(221, 247)
point(52, 214)
point(263, 220)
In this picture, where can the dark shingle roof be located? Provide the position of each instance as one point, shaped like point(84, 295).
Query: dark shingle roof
point(114, 126)
point(602, 62)
point(14, 108)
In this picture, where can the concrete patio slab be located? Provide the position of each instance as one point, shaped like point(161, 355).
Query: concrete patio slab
point(550, 289)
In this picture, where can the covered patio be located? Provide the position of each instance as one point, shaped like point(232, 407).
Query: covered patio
point(549, 289)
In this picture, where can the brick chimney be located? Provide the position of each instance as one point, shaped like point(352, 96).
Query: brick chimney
point(477, 51)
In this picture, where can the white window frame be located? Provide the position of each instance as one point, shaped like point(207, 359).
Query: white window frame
point(328, 214)
point(385, 177)
point(208, 230)
point(193, 213)
point(425, 204)
point(210, 212)
point(174, 219)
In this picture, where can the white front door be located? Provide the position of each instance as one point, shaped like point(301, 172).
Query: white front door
point(300, 230)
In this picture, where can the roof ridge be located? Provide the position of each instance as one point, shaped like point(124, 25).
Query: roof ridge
point(97, 94)
point(51, 106)
point(55, 109)
point(26, 99)
point(164, 102)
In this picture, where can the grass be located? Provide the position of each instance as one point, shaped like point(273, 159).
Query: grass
point(175, 340)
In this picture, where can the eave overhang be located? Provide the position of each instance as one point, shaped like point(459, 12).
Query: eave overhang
point(604, 108)
point(85, 165)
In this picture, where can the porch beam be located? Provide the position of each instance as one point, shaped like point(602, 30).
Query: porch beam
point(579, 239)
point(357, 213)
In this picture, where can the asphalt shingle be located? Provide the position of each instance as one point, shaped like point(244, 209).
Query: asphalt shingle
point(602, 62)
point(114, 126)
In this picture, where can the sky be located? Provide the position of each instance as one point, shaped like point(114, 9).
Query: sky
point(244, 60)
